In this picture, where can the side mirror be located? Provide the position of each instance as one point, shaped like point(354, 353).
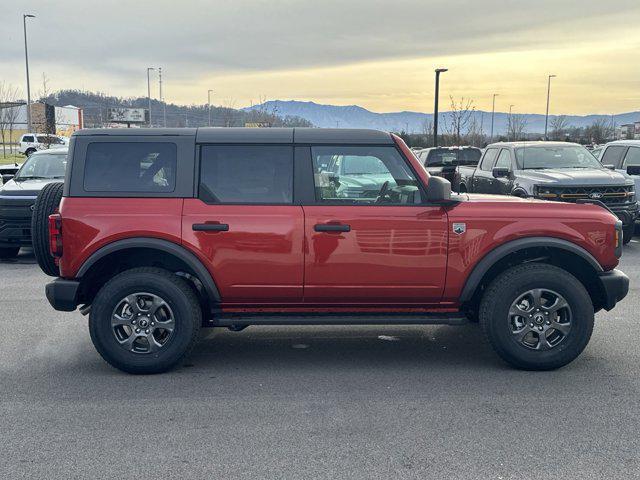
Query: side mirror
point(633, 169)
point(610, 167)
point(500, 172)
point(449, 168)
point(438, 190)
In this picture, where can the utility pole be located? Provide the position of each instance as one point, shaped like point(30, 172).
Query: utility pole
point(209, 92)
point(26, 61)
point(435, 106)
point(164, 105)
point(546, 118)
point(149, 91)
point(493, 112)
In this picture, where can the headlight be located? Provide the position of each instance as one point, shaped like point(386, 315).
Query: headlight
point(545, 192)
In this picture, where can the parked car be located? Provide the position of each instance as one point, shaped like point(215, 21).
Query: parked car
point(450, 162)
point(624, 157)
point(8, 171)
point(558, 171)
point(162, 231)
point(32, 142)
point(18, 195)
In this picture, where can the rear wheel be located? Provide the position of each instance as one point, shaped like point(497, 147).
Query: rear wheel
point(145, 320)
point(537, 316)
point(29, 151)
point(9, 252)
point(47, 203)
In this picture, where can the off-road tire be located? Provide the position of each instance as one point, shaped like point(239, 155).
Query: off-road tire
point(29, 151)
point(174, 291)
point(9, 252)
point(507, 287)
point(47, 203)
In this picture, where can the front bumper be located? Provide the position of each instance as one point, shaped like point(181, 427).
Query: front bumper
point(63, 294)
point(15, 221)
point(615, 286)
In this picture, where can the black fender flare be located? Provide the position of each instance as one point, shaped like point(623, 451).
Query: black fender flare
point(500, 252)
point(158, 244)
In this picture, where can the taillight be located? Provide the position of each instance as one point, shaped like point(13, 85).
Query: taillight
point(55, 235)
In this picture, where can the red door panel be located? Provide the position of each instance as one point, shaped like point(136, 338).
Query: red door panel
point(259, 259)
point(391, 255)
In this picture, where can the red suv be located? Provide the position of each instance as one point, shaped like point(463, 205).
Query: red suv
point(160, 232)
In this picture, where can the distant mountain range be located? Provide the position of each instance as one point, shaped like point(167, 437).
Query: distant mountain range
point(353, 116)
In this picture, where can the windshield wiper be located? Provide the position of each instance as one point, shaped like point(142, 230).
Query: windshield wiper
point(33, 177)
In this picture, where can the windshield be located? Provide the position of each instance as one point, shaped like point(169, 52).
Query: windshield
point(463, 156)
point(50, 140)
point(556, 156)
point(43, 166)
point(352, 165)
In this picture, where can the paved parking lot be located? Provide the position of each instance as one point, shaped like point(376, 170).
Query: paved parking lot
point(313, 402)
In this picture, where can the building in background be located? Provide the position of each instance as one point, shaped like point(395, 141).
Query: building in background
point(45, 118)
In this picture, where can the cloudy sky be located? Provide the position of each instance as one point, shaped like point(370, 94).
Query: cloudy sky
point(377, 54)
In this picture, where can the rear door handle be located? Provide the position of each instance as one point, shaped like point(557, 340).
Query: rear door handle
point(210, 227)
point(331, 227)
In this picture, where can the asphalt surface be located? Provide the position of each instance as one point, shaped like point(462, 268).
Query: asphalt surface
point(313, 402)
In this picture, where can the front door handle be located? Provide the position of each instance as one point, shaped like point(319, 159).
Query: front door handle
point(210, 227)
point(332, 227)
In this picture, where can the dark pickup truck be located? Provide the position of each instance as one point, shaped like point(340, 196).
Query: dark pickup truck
point(559, 171)
point(449, 162)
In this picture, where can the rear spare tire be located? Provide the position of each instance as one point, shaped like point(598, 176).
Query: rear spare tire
point(47, 203)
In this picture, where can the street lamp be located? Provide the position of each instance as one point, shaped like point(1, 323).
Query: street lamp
point(149, 91)
point(546, 118)
point(26, 61)
point(209, 92)
point(493, 112)
point(435, 107)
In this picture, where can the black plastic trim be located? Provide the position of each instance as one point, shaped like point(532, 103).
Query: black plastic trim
point(62, 294)
point(615, 285)
point(513, 246)
point(166, 246)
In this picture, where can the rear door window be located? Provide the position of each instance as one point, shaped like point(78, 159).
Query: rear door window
point(632, 159)
point(253, 174)
point(135, 167)
point(27, 138)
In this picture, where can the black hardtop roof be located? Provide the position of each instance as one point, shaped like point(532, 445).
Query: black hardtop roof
point(254, 135)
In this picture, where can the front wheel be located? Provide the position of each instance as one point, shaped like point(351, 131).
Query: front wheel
point(627, 233)
point(537, 316)
point(145, 320)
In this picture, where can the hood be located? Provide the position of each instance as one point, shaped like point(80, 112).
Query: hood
point(363, 181)
point(574, 176)
point(25, 187)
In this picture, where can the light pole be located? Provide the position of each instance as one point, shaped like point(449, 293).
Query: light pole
point(209, 92)
point(26, 61)
point(149, 91)
point(493, 112)
point(546, 118)
point(435, 107)
point(164, 105)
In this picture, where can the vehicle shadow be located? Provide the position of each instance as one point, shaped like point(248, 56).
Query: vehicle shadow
point(25, 257)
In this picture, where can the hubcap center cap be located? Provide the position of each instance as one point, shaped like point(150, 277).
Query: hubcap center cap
point(143, 322)
point(538, 318)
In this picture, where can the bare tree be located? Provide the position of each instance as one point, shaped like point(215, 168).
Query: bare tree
point(599, 131)
point(475, 134)
point(516, 127)
point(458, 118)
point(427, 130)
point(228, 112)
point(8, 114)
point(559, 127)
